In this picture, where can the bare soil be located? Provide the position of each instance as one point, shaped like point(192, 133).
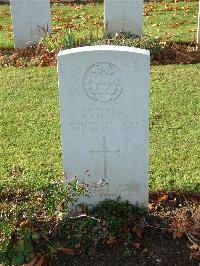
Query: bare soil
point(170, 236)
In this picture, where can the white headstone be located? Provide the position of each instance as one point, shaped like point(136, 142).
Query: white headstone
point(104, 100)
point(198, 29)
point(123, 15)
point(31, 21)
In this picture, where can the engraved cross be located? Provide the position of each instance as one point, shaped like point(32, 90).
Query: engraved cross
point(105, 152)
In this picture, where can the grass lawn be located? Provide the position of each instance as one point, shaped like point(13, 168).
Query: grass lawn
point(177, 21)
point(31, 133)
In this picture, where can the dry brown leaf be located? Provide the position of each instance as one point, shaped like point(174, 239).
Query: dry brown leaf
point(138, 231)
point(163, 198)
point(67, 251)
point(192, 30)
point(178, 234)
point(136, 245)
point(151, 206)
point(111, 240)
point(196, 255)
point(41, 262)
point(24, 224)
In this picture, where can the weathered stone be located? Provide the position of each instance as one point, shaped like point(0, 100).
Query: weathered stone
point(123, 15)
point(104, 100)
point(198, 29)
point(31, 21)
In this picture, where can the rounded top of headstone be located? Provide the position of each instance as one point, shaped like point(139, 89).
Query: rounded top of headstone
point(104, 48)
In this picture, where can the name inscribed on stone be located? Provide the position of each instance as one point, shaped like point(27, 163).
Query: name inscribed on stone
point(102, 119)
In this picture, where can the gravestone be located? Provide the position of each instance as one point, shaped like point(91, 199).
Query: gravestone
point(198, 29)
point(104, 101)
point(31, 20)
point(123, 15)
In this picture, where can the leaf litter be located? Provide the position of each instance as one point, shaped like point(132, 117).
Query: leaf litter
point(168, 233)
point(171, 53)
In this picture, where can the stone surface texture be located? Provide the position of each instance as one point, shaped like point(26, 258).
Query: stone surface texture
point(104, 101)
point(198, 29)
point(31, 21)
point(123, 15)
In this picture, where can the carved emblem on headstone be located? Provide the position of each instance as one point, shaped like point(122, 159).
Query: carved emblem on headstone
point(102, 82)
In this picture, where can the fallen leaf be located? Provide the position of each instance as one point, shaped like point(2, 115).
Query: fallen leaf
point(154, 25)
point(138, 231)
point(111, 240)
point(24, 224)
point(163, 198)
point(178, 234)
point(151, 206)
point(41, 261)
point(192, 30)
point(136, 245)
point(67, 251)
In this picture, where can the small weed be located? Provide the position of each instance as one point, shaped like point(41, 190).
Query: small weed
point(128, 252)
point(69, 40)
point(21, 226)
point(118, 217)
point(145, 42)
point(51, 43)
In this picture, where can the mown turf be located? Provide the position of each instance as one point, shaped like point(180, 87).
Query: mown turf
point(178, 22)
point(6, 34)
point(30, 125)
point(175, 128)
point(30, 133)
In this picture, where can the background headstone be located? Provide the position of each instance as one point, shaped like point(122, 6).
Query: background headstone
point(31, 21)
point(198, 29)
point(104, 99)
point(123, 15)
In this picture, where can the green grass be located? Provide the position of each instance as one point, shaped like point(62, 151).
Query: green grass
point(178, 25)
point(89, 19)
point(6, 35)
point(175, 128)
point(30, 133)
